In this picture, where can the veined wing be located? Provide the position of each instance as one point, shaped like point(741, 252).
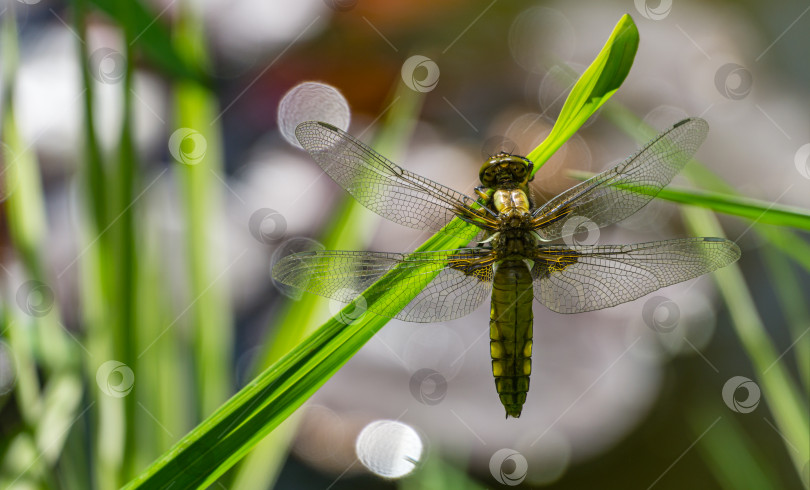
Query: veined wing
point(445, 284)
point(383, 187)
point(577, 279)
point(622, 190)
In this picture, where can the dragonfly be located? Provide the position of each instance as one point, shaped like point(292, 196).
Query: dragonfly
point(518, 258)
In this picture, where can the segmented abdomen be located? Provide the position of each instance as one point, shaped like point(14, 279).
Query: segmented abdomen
point(510, 328)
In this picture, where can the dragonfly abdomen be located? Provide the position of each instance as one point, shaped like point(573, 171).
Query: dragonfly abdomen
point(510, 328)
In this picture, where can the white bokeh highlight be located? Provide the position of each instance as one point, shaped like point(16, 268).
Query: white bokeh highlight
point(389, 448)
point(311, 101)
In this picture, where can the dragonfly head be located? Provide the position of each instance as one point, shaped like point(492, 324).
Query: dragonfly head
point(504, 168)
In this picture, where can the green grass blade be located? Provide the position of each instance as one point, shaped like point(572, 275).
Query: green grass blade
point(697, 173)
point(596, 85)
point(753, 209)
point(220, 441)
point(789, 410)
point(209, 312)
point(792, 299)
point(151, 35)
point(735, 460)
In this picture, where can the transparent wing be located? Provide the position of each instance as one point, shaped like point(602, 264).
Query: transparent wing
point(446, 284)
point(577, 279)
point(609, 196)
point(380, 185)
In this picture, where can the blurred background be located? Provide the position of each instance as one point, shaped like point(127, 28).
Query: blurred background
point(148, 188)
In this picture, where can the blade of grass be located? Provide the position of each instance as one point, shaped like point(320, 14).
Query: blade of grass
point(165, 410)
point(596, 85)
point(226, 436)
point(700, 175)
point(196, 108)
point(753, 209)
point(150, 34)
point(46, 343)
point(781, 394)
point(349, 229)
point(791, 297)
point(735, 460)
point(125, 181)
point(98, 278)
point(788, 242)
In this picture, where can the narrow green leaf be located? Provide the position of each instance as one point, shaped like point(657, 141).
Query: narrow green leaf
point(195, 109)
point(596, 85)
point(699, 175)
point(734, 458)
point(744, 207)
point(787, 405)
point(151, 34)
